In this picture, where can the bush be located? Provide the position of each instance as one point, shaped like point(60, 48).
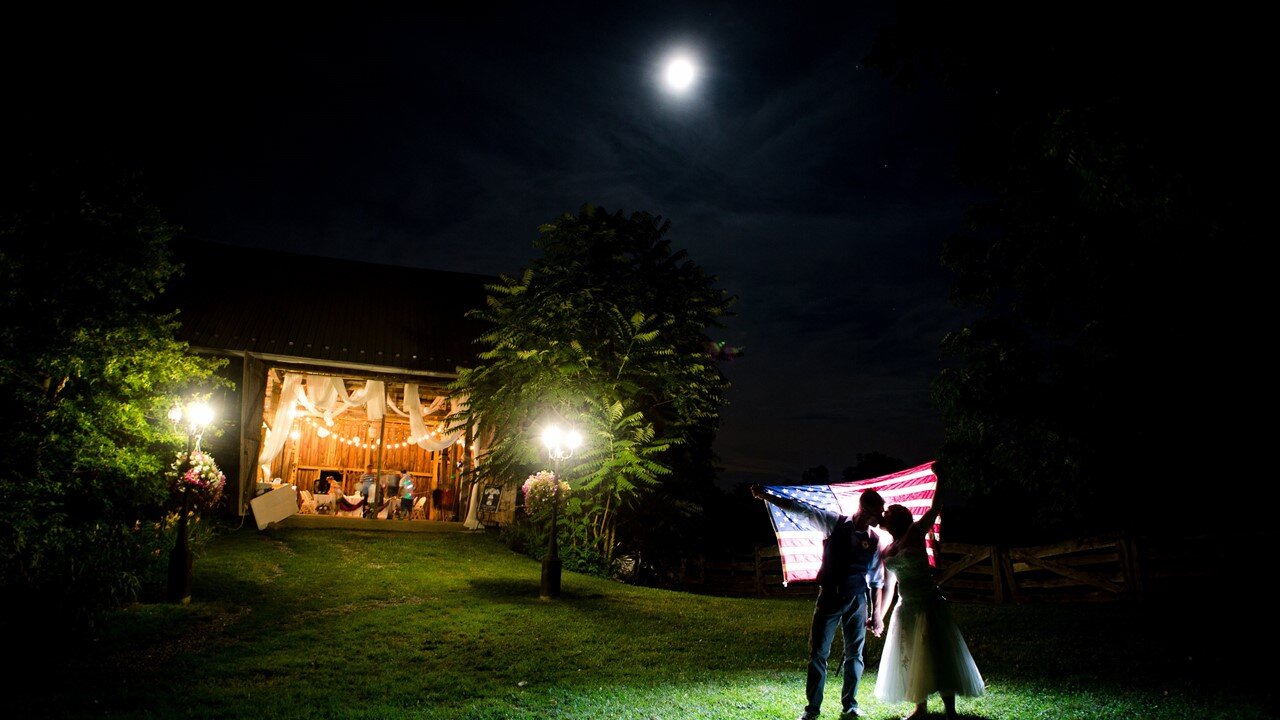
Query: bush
point(88, 372)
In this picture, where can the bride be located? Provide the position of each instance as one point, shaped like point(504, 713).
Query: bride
point(924, 652)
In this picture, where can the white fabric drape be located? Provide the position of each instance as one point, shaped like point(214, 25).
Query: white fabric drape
point(474, 450)
point(418, 428)
point(473, 522)
point(282, 424)
point(412, 389)
point(326, 396)
point(325, 391)
point(375, 399)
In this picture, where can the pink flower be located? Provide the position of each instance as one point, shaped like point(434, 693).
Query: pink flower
point(539, 488)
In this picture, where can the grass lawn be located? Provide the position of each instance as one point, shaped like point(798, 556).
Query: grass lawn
point(356, 624)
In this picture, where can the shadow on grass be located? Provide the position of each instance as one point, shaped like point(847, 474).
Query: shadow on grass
point(504, 590)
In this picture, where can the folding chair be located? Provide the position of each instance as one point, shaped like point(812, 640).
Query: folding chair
point(308, 505)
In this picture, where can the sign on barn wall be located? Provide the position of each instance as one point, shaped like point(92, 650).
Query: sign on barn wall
point(491, 498)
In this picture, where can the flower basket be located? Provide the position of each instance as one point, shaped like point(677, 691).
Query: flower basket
point(539, 488)
point(202, 480)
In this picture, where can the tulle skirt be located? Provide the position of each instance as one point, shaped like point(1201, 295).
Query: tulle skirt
point(924, 653)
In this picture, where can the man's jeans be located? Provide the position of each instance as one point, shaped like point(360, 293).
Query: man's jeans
point(848, 608)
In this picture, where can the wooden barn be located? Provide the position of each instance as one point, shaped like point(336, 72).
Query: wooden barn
point(338, 366)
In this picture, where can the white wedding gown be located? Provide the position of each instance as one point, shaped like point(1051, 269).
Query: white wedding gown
point(924, 652)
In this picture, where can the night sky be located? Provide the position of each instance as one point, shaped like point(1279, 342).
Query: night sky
point(815, 190)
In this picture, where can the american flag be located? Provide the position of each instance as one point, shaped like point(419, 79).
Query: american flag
point(800, 539)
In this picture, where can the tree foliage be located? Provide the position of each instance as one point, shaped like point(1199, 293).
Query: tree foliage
point(1104, 267)
point(87, 374)
point(605, 332)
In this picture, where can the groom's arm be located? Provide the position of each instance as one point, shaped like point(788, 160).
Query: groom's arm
point(882, 584)
point(879, 597)
point(827, 519)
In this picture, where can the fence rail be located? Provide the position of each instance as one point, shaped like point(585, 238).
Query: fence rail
point(1096, 569)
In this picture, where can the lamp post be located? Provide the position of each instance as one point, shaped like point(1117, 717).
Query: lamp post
point(197, 417)
point(560, 445)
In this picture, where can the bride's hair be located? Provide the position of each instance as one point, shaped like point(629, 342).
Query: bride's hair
point(897, 520)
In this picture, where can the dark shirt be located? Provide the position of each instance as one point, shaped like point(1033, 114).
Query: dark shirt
point(850, 558)
point(322, 485)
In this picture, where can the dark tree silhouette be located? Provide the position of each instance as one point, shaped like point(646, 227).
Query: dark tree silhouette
point(872, 464)
point(1114, 265)
point(819, 475)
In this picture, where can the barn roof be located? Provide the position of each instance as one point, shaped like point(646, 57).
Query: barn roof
point(325, 310)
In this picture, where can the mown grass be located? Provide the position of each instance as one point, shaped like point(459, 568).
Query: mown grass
point(354, 624)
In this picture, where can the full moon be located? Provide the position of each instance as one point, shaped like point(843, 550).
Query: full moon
point(680, 73)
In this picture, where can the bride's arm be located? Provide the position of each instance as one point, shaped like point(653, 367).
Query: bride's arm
point(920, 528)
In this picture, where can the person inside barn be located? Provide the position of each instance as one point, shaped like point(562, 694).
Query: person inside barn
point(406, 495)
point(324, 500)
point(366, 488)
point(390, 487)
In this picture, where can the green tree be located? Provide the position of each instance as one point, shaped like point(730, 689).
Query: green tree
point(606, 332)
point(87, 373)
point(1108, 267)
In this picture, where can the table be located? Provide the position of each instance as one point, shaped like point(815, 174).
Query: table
point(328, 500)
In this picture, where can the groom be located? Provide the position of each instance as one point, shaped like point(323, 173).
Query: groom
point(850, 594)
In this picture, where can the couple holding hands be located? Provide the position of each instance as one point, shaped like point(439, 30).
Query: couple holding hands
point(924, 652)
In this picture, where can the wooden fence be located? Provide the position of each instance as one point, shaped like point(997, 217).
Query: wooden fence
point(1099, 568)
